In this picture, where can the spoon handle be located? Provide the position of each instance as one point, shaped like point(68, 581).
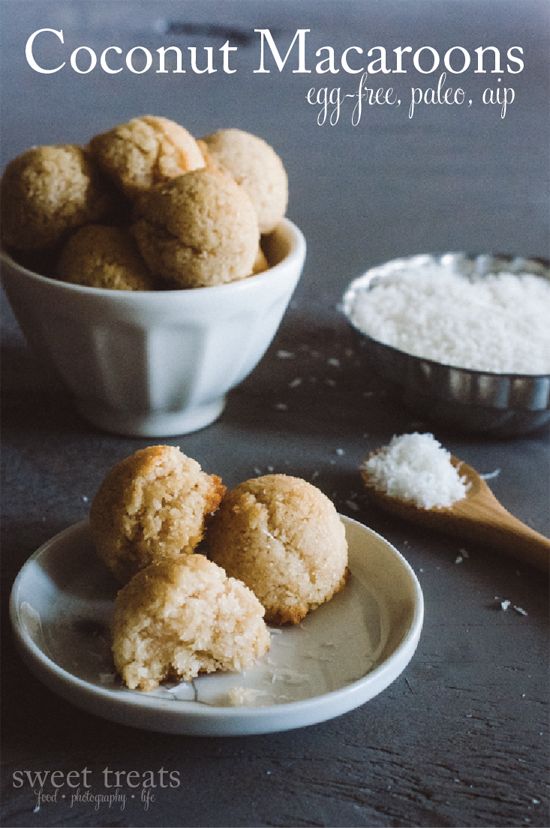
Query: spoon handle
point(482, 515)
point(516, 538)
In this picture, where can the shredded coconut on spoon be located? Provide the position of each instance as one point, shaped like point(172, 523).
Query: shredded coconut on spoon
point(417, 469)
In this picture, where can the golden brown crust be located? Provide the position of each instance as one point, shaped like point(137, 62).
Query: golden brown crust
point(152, 506)
point(48, 191)
point(104, 257)
point(256, 167)
point(146, 151)
point(260, 262)
point(209, 162)
point(284, 539)
point(296, 614)
point(197, 230)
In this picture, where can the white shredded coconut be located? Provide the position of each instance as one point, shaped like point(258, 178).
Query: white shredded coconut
point(416, 468)
point(243, 696)
point(498, 323)
point(268, 534)
point(505, 603)
point(520, 610)
point(490, 475)
point(289, 676)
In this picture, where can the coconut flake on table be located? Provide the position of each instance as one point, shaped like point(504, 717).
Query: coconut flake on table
point(498, 323)
point(416, 468)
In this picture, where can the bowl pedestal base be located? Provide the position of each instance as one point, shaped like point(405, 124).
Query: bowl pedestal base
point(156, 424)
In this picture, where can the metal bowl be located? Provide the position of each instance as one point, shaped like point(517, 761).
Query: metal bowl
point(499, 405)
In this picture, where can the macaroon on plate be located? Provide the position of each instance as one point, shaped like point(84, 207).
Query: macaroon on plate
point(343, 654)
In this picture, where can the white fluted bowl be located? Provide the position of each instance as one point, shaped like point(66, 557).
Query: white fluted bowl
point(155, 363)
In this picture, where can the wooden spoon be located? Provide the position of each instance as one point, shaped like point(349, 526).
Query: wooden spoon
point(478, 517)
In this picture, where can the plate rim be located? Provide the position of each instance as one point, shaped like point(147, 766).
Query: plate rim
point(44, 667)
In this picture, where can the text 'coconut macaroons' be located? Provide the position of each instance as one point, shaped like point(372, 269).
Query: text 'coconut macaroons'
point(152, 506)
point(178, 618)
point(284, 539)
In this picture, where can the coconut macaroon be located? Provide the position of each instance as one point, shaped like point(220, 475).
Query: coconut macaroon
point(152, 506)
point(209, 162)
point(179, 618)
point(197, 230)
point(103, 257)
point(260, 262)
point(284, 539)
point(146, 151)
point(255, 165)
point(47, 192)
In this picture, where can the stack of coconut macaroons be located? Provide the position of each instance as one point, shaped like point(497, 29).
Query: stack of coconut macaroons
point(277, 550)
point(145, 206)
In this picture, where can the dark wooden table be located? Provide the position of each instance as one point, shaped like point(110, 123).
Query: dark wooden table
point(462, 737)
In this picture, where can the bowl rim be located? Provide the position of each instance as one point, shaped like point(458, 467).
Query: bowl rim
point(294, 258)
point(359, 281)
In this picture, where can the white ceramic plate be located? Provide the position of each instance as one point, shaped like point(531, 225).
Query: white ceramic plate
point(342, 655)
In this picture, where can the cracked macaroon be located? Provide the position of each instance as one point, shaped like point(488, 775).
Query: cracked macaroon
point(284, 539)
point(197, 230)
point(256, 167)
point(103, 257)
point(146, 151)
point(152, 506)
point(48, 191)
point(178, 618)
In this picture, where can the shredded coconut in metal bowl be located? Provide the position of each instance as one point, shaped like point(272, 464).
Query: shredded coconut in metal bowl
point(496, 323)
point(417, 469)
